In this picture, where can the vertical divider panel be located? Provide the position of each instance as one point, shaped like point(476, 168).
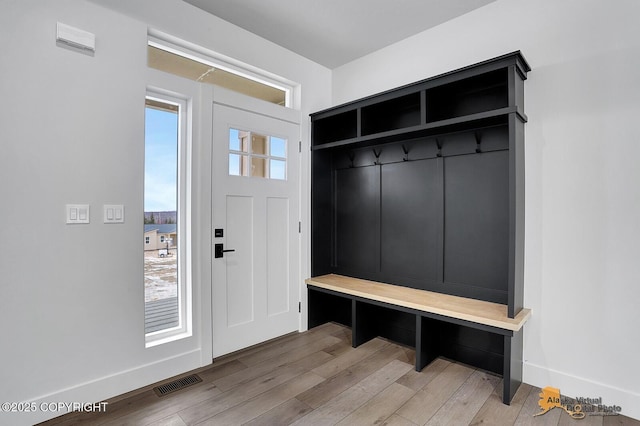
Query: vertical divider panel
point(427, 341)
point(316, 312)
point(515, 279)
point(355, 325)
point(440, 221)
point(512, 370)
point(364, 325)
point(423, 107)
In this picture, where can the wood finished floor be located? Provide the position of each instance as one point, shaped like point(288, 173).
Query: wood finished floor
point(317, 378)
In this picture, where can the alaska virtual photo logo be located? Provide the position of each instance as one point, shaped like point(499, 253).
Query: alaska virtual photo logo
point(577, 408)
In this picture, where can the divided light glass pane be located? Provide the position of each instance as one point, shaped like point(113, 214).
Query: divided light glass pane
point(278, 147)
point(258, 167)
point(258, 144)
point(278, 169)
point(234, 140)
point(235, 165)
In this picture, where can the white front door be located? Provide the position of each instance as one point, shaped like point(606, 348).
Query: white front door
point(255, 191)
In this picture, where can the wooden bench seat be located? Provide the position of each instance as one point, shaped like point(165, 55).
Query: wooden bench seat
point(430, 309)
point(477, 311)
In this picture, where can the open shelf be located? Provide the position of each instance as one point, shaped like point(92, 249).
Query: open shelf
point(478, 101)
point(337, 127)
point(451, 125)
point(484, 92)
point(398, 113)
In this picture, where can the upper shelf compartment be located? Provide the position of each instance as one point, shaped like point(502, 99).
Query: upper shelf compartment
point(336, 127)
point(397, 113)
point(484, 92)
point(472, 97)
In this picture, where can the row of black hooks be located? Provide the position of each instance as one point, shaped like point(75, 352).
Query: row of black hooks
point(439, 143)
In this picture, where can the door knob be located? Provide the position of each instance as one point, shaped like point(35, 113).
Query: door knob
point(220, 251)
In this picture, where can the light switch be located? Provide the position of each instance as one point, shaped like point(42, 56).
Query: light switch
point(77, 213)
point(113, 213)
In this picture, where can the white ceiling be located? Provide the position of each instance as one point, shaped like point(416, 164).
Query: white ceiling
point(334, 32)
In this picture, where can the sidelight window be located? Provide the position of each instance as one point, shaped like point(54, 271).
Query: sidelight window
point(166, 286)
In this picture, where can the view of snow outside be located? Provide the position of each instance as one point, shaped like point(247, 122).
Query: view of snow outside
point(160, 196)
point(160, 275)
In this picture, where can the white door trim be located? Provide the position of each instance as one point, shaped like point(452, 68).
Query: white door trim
point(229, 98)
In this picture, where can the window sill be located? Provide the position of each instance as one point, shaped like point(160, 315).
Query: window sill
point(165, 336)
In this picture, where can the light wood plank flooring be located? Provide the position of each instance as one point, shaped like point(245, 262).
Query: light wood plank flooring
point(317, 378)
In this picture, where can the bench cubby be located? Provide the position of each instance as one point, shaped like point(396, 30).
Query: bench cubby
point(434, 324)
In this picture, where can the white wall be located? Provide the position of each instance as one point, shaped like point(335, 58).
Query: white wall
point(72, 131)
point(582, 196)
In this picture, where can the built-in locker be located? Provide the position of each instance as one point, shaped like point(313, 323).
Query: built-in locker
point(423, 187)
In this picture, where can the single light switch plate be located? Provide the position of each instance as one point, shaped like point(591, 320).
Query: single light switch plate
point(77, 214)
point(113, 213)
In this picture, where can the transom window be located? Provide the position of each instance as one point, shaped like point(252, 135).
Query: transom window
point(198, 69)
point(256, 155)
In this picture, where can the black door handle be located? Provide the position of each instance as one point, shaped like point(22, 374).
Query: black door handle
point(219, 250)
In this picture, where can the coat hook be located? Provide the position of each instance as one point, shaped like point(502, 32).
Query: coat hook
point(478, 141)
point(352, 157)
point(377, 154)
point(406, 153)
point(439, 144)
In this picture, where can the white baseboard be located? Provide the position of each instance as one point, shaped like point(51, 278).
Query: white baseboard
point(573, 386)
point(104, 388)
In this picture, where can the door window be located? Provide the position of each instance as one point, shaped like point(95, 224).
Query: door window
point(253, 154)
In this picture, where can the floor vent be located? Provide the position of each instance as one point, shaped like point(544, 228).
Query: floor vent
point(176, 385)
